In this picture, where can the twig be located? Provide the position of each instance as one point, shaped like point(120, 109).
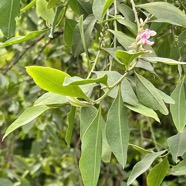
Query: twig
point(56, 34)
point(22, 54)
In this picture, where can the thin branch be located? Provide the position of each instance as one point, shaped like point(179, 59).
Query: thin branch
point(17, 59)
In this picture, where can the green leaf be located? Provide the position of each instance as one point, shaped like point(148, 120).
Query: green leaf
point(106, 150)
point(140, 149)
point(166, 11)
point(139, 108)
point(27, 116)
point(166, 98)
point(21, 39)
point(149, 95)
point(85, 7)
point(127, 57)
point(163, 60)
point(90, 161)
point(88, 25)
point(123, 39)
point(56, 20)
point(142, 166)
point(68, 31)
point(127, 93)
point(53, 3)
point(113, 76)
point(126, 11)
point(87, 115)
point(178, 110)
point(79, 81)
point(106, 6)
point(112, 52)
point(28, 6)
point(177, 144)
point(100, 7)
point(181, 166)
point(4, 181)
point(51, 80)
point(51, 100)
point(9, 10)
point(71, 118)
point(47, 14)
point(97, 8)
point(117, 130)
point(158, 173)
point(160, 20)
point(130, 25)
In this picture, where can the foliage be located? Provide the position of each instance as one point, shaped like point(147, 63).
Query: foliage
point(92, 106)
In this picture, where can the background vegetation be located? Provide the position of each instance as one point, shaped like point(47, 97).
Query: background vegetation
point(68, 35)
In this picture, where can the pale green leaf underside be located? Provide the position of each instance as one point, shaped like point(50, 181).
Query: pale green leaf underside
point(163, 60)
point(149, 95)
point(142, 109)
point(166, 11)
point(51, 99)
point(117, 130)
point(90, 160)
point(177, 144)
point(178, 110)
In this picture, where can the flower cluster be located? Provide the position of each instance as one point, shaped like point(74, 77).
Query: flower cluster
point(143, 38)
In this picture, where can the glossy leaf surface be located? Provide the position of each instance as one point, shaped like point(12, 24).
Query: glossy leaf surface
point(51, 80)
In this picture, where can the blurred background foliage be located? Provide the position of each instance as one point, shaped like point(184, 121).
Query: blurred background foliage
point(36, 154)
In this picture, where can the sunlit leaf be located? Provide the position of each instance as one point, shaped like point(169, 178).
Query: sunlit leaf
point(127, 57)
point(158, 172)
point(21, 39)
point(51, 80)
point(79, 81)
point(47, 14)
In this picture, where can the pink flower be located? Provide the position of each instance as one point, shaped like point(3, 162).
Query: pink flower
point(142, 38)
